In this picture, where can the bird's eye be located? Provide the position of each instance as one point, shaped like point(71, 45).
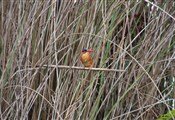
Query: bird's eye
point(84, 50)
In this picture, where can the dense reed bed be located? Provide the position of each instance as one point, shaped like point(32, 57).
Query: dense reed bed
point(134, 37)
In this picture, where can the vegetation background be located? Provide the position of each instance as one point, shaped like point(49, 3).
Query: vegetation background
point(136, 36)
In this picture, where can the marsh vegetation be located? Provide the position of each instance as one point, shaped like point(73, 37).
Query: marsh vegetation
point(136, 37)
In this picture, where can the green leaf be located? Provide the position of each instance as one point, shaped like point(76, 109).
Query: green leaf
point(167, 116)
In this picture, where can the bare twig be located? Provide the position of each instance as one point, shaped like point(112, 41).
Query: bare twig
point(82, 68)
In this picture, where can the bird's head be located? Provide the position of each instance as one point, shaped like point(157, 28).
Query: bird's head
point(84, 50)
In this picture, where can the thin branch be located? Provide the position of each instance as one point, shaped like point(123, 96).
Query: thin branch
point(82, 68)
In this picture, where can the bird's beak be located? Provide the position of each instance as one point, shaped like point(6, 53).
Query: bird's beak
point(90, 50)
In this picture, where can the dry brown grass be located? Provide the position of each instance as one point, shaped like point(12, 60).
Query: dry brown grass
point(130, 36)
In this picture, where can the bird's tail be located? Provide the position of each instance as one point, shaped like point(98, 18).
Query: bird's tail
point(87, 80)
point(89, 76)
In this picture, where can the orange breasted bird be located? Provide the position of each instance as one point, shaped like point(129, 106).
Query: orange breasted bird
point(86, 58)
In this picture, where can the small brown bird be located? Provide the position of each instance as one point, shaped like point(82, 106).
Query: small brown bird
point(86, 58)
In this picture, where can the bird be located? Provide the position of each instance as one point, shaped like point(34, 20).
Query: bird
point(86, 57)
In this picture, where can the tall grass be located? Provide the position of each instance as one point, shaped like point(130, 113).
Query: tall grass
point(134, 36)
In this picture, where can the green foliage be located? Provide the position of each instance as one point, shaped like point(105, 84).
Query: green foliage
point(168, 116)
